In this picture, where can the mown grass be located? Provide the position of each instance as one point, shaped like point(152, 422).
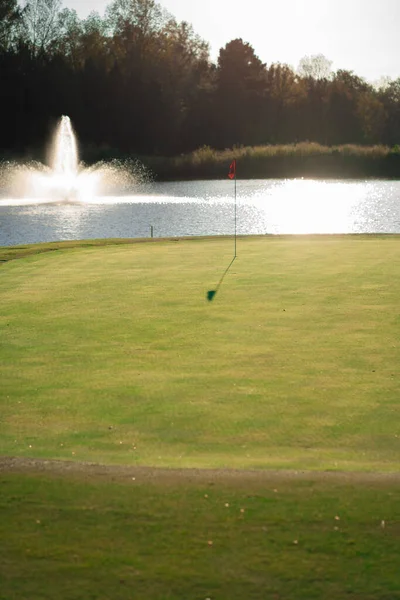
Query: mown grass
point(109, 352)
point(112, 354)
point(304, 159)
point(71, 538)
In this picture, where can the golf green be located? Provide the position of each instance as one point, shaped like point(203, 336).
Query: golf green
point(111, 353)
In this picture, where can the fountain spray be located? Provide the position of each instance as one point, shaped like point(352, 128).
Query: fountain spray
point(65, 154)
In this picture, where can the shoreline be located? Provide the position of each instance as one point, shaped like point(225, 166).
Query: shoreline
point(286, 161)
point(8, 253)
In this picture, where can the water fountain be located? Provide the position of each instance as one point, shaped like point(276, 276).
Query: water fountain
point(65, 166)
point(65, 179)
point(67, 200)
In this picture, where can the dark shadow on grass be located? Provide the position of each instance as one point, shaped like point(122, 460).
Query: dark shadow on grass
point(211, 293)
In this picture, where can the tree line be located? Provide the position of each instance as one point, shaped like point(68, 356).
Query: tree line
point(137, 81)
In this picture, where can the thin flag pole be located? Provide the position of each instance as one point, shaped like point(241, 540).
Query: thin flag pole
point(235, 210)
point(231, 175)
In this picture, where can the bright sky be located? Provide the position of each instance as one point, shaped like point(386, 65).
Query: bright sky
point(358, 35)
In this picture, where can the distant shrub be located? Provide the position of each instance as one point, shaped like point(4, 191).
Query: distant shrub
point(303, 159)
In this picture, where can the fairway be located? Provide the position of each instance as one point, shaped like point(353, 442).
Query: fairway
point(112, 354)
point(246, 447)
point(77, 536)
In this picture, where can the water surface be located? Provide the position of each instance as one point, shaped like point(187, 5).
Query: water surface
point(207, 208)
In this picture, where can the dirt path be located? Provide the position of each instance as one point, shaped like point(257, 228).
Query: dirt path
point(90, 471)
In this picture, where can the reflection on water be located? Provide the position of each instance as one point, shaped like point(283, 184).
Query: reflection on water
point(207, 208)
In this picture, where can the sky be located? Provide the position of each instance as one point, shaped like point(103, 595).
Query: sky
point(358, 35)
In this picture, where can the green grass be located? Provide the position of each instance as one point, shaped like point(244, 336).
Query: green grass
point(70, 538)
point(112, 354)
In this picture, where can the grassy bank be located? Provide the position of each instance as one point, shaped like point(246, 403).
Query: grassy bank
point(74, 536)
point(305, 159)
point(284, 161)
point(112, 354)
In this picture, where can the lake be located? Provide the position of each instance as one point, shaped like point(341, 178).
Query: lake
point(194, 208)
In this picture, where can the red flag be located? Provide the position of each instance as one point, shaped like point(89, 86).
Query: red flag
point(232, 169)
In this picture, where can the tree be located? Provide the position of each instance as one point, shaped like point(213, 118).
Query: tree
point(10, 19)
point(240, 94)
point(145, 15)
point(316, 67)
point(343, 116)
point(390, 98)
point(372, 115)
point(283, 98)
point(182, 70)
point(352, 82)
point(133, 24)
point(41, 25)
point(381, 84)
point(70, 41)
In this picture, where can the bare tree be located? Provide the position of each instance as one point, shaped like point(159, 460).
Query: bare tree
point(41, 24)
point(10, 18)
point(315, 67)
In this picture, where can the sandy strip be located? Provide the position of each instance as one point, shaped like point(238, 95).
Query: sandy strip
point(88, 471)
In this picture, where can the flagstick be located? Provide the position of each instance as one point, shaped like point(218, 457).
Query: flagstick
point(235, 212)
point(211, 293)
